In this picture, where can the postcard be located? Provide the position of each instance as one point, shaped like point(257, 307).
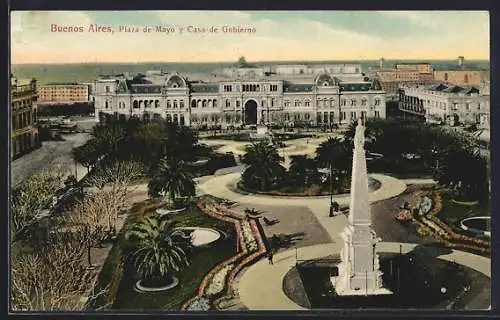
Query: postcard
point(250, 161)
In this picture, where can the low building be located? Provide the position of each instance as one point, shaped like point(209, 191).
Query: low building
point(316, 100)
point(63, 93)
point(450, 104)
point(404, 74)
point(24, 133)
point(462, 77)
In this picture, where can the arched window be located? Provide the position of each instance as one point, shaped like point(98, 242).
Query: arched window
point(106, 104)
point(169, 117)
point(136, 104)
point(181, 104)
point(204, 103)
point(210, 103)
point(199, 103)
point(175, 104)
point(214, 103)
point(157, 103)
point(193, 104)
point(169, 104)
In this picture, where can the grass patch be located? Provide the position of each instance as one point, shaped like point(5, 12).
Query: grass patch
point(111, 272)
point(202, 260)
point(453, 211)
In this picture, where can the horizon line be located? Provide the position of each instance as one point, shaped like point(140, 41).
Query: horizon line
point(250, 62)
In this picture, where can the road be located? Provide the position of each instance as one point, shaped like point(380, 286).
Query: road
point(51, 154)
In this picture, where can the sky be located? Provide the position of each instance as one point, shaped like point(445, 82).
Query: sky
point(276, 36)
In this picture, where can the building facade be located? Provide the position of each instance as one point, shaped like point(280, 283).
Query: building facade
point(63, 93)
point(462, 77)
point(24, 133)
point(407, 74)
point(322, 100)
point(447, 103)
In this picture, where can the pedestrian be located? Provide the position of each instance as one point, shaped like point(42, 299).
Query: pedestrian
point(270, 257)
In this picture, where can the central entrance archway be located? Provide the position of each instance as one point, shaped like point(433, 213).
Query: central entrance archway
point(250, 112)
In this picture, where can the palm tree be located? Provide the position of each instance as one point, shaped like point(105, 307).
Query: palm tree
point(264, 169)
point(172, 178)
point(303, 170)
point(152, 251)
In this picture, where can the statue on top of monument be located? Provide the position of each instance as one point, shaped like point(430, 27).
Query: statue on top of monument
point(359, 136)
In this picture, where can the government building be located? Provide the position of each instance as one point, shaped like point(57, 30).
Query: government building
point(24, 133)
point(321, 99)
point(446, 103)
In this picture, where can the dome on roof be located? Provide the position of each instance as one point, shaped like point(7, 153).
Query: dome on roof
point(175, 81)
point(324, 80)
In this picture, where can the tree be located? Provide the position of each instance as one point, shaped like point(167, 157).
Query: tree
point(335, 155)
point(87, 154)
point(180, 143)
point(29, 199)
point(303, 171)
point(173, 179)
point(89, 221)
point(152, 251)
point(114, 180)
point(53, 279)
point(264, 169)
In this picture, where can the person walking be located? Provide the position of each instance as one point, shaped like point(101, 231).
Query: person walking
point(270, 257)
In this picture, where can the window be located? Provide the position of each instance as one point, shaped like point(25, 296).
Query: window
point(377, 102)
point(331, 117)
point(204, 103)
point(214, 103)
point(353, 102)
point(272, 102)
point(332, 102)
point(193, 104)
point(175, 104)
point(107, 89)
point(106, 104)
point(377, 114)
point(287, 103)
point(169, 104)
point(296, 103)
point(273, 87)
point(467, 106)
point(307, 103)
point(363, 115)
point(181, 104)
point(342, 102)
point(228, 88)
point(228, 103)
point(363, 102)
point(318, 117)
point(237, 103)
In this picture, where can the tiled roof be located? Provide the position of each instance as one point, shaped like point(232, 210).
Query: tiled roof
point(145, 89)
point(205, 87)
point(297, 88)
point(354, 86)
point(452, 88)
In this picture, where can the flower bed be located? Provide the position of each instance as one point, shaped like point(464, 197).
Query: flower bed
point(249, 241)
point(431, 225)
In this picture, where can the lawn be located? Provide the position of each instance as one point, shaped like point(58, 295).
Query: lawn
point(453, 212)
point(202, 260)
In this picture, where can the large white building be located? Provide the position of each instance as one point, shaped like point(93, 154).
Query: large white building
point(319, 99)
point(447, 103)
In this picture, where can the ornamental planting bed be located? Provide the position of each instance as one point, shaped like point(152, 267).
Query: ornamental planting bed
point(218, 283)
point(431, 225)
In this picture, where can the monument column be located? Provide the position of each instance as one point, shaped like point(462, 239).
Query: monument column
point(359, 272)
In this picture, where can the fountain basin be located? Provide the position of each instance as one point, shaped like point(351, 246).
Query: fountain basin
point(201, 236)
point(481, 225)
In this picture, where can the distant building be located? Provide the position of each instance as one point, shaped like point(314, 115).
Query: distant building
point(313, 69)
point(24, 133)
point(422, 67)
point(409, 74)
point(460, 61)
point(63, 93)
point(462, 77)
point(446, 103)
point(314, 99)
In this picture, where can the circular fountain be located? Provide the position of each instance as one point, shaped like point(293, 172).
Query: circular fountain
point(481, 225)
point(198, 236)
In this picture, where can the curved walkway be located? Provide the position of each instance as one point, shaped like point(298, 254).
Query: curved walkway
point(258, 295)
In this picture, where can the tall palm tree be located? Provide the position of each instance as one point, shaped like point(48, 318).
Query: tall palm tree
point(264, 166)
point(303, 170)
point(152, 251)
point(172, 178)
